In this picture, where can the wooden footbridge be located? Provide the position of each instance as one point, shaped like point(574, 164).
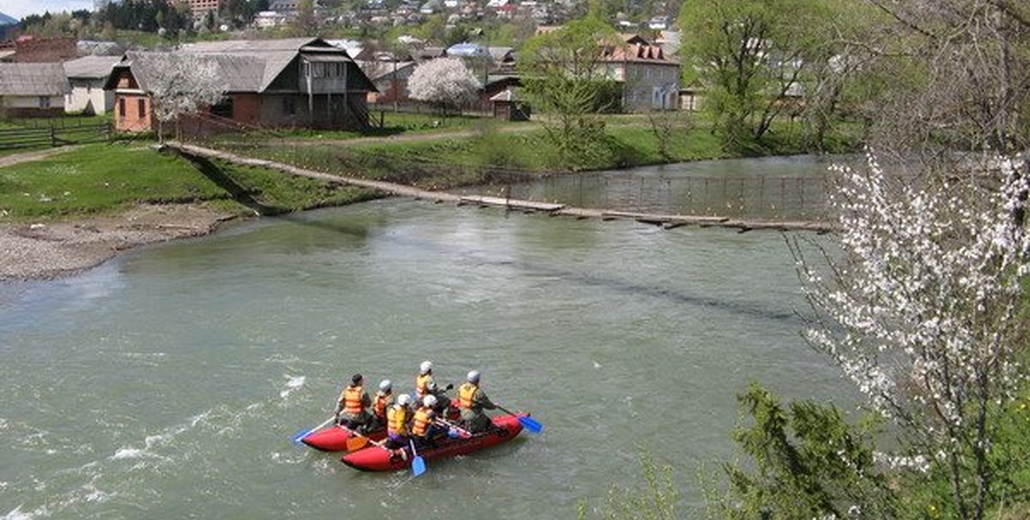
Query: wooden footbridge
point(527, 206)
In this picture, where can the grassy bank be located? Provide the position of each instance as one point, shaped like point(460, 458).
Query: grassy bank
point(108, 178)
point(424, 150)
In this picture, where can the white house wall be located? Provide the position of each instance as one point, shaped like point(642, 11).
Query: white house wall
point(32, 101)
point(85, 92)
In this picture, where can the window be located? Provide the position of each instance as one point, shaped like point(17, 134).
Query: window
point(44, 102)
point(289, 106)
point(121, 108)
point(141, 108)
point(223, 109)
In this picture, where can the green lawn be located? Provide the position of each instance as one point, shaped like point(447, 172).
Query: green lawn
point(106, 178)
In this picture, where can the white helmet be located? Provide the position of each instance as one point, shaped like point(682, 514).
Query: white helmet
point(473, 377)
point(429, 401)
point(425, 367)
point(404, 400)
point(385, 385)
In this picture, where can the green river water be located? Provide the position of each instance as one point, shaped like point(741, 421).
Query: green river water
point(167, 383)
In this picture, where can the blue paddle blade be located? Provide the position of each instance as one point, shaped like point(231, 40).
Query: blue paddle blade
point(531, 424)
point(300, 436)
point(418, 466)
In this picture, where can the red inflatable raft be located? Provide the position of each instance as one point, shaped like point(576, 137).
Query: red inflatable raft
point(378, 458)
point(334, 438)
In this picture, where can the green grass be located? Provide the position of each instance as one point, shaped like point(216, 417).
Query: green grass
point(103, 178)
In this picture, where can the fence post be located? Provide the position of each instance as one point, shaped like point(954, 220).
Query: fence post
point(53, 135)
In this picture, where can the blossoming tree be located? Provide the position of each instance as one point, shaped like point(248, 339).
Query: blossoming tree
point(179, 85)
point(445, 82)
point(918, 307)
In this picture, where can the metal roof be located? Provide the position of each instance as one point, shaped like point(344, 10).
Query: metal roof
point(248, 65)
point(90, 67)
point(33, 79)
point(240, 73)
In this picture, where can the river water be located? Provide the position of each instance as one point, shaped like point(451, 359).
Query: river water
point(168, 382)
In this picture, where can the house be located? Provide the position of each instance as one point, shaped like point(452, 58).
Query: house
point(303, 82)
point(649, 78)
point(508, 106)
point(390, 78)
point(32, 89)
point(87, 77)
point(200, 8)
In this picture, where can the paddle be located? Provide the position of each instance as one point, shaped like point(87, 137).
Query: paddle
point(461, 431)
point(358, 440)
point(418, 466)
point(527, 422)
point(304, 433)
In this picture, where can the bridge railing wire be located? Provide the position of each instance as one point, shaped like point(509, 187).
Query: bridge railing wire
point(800, 197)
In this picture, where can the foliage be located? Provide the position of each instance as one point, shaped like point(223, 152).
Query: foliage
point(564, 78)
point(919, 312)
point(180, 84)
point(750, 54)
point(444, 82)
point(656, 500)
point(808, 462)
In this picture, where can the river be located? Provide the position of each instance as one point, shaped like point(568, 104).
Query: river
point(168, 382)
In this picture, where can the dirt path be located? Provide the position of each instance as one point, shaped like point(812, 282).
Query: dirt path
point(8, 160)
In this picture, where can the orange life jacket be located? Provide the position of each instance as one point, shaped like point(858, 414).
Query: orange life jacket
point(467, 395)
point(352, 399)
point(423, 418)
point(379, 406)
point(397, 420)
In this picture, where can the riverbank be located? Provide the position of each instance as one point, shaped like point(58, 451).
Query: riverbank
point(54, 249)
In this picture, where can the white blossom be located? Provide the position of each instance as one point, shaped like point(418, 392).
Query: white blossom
point(443, 81)
point(919, 310)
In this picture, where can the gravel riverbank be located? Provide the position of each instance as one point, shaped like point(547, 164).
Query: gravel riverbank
point(54, 249)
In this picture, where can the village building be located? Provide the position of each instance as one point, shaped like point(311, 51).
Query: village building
point(87, 77)
point(299, 82)
point(649, 78)
point(32, 89)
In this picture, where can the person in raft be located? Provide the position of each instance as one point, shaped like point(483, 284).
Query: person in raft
point(382, 401)
point(398, 423)
point(423, 425)
point(425, 385)
point(471, 402)
point(352, 407)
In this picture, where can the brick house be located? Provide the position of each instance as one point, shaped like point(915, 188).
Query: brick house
point(298, 82)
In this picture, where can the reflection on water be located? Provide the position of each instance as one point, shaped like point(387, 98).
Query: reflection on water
point(784, 188)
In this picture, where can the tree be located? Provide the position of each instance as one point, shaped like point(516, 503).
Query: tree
point(564, 77)
point(808, 462)
point(918, 310)
point(179, 85)
point(306, 23)
point(444, 82)
point(750, 54)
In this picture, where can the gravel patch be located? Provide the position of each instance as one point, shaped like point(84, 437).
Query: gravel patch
point(54, 249)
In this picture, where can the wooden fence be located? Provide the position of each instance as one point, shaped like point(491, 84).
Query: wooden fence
point(53, 134)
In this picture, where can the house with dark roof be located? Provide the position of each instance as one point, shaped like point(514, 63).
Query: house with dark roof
point(297, 82)
point(87, 77)
point(32, 89)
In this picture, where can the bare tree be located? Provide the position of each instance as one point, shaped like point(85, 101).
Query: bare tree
point(180, 85)
point(962, 80)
